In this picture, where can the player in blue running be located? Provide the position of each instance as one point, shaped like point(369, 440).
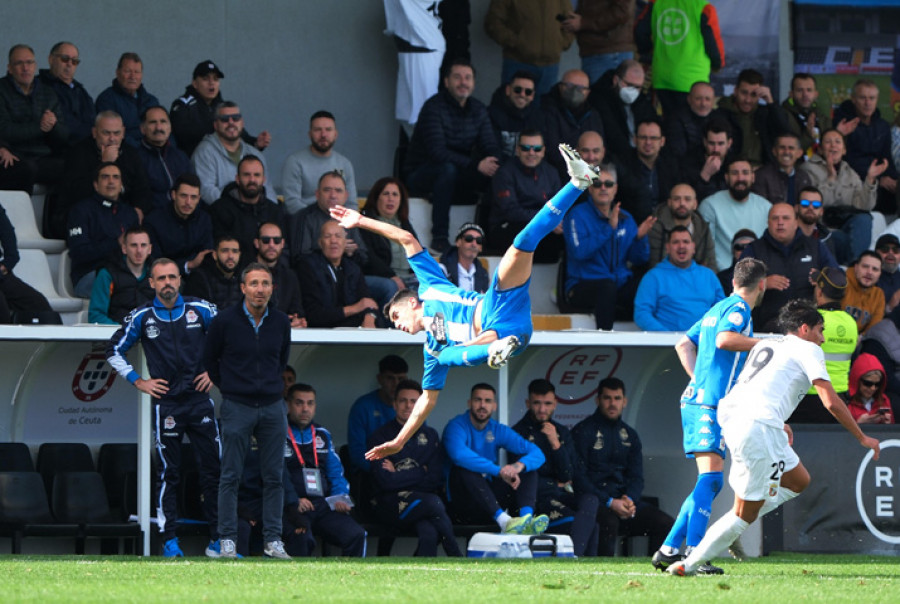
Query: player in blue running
point(466, 328)
point(712, 353)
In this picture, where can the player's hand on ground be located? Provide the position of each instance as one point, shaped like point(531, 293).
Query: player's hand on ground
point(348, 218)
point(382, 451)
point(154, 387)
point(202, 383)
point(871, 443)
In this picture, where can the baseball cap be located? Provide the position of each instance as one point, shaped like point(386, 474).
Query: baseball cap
point(887, 239)
point(832, 281)
point(205, 67)
point(469, 226)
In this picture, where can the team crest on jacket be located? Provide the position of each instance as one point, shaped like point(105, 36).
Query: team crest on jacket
point(421, 439)
point(598, 443)
point(623, 434)
point(191, 316)
point(320, 442)
point(489, 437)
point(169, 423)
point(93, 378)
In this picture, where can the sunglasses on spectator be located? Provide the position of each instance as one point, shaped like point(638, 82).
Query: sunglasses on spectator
point(599, 184)
point(275, 240)
point(67, 59)
point(234, 117)
point(525, 91)
point(889, 248)
point(863, 382)
point(739, 247)
point(535, 148)
point(471, 238)
point(811, 202)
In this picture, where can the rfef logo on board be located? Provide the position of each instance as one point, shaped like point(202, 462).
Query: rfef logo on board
point(877, 490)
point(577, 372)
point(93, 378)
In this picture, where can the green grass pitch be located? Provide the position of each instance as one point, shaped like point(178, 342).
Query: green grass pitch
point(786, 578)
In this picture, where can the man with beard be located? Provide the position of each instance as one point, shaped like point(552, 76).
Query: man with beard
point(810, 210)
point(677, 291)
point(163, 161)
point(123, 282)
point(780, 181)
point(193, 115)
point(219, 153)
point(863, 299)
point(680, 209)
point(888, 246)
point(806, 119)
point(513, 110)
point(567, 114)
point(705, 171)
point(301, 172)
point(733, 209)
point(166, 327)
point(96, 226)
point(243, 205)
point(179, 231)
point(269, 244)
point(453, 151)
point(684, 128)
point(217, 278)
point(792, 261)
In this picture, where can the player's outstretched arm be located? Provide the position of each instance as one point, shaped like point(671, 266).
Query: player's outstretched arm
point(350, 219)
point(687, 354)
point(734, 341)
point(836, 407)
point(424, 404)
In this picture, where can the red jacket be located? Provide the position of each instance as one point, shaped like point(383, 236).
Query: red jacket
point(864, 364)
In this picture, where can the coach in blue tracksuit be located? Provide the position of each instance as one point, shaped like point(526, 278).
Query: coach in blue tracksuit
point(172, 331)
point(478, 485)
point(246, 352)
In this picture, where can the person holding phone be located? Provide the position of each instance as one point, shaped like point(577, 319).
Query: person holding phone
point(866, 398)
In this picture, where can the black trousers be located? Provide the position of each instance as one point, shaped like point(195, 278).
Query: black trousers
point(426, 513)
point(574, 515)
point(475, 499)
point(648, 521)
point(335, 527)
point(196, 418)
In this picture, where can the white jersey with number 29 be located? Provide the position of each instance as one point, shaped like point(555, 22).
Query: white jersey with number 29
point(776, 376)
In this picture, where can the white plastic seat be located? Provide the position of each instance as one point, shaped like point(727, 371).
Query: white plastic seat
point(34, 270)
point(20, 210)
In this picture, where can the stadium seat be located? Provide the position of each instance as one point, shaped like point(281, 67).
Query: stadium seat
point(20, 210)
point(114, 462)
point(15, 457)
point(24, 511)
point(80, 498)
point(34, 270)
point(54, 458)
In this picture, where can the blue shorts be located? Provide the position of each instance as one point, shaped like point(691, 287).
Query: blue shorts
point(702, 433)
point(508, 312)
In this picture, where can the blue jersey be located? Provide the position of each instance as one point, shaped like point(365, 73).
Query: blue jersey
point(458, 305)
point(716, 370)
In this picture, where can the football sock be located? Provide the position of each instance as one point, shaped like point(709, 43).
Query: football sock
point(708, 486)
point(502, 518)
point(719, 536)
point(678, 532)
point(468, 356)
point(546, 219)
point(525, 511)
point(784, 495)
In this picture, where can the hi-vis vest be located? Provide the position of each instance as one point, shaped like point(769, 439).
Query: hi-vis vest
point(840, 341)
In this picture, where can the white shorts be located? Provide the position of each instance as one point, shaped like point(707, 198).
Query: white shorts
point(760, 454)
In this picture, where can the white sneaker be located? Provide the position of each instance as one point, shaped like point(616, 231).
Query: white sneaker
point(499, 351)
point(275, 549)
point(227, 549)
point(583, 174)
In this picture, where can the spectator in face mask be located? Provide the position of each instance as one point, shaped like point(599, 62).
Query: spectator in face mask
point(567, 114)
point(618, 97)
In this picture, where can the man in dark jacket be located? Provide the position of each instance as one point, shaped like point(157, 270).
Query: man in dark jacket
point(217, 279)
point(657, 170)
point(32, 125)
point(789, 256)
point(513, 110)
point(15, 294)
point(244, 206)
point(460, 263)
point(559, 494)
point(269, 244)
point(685, 126)
point(806, 118)
point(76, 105)
point(622, 105)
point(567, 114)
point(609, 451)
point(246, 351)
point(127, 96)
point(780, 181)
point(123, 283)
point(179, 230)
point(163, 161)
point(194, 112)
point(453, 151)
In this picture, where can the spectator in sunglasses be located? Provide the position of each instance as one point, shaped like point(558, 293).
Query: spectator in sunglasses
point(521, 187)
point(888, 247)
point(809, 210)
point(76, 105)
point(867, 401)
point(269, 244)
point(739, 242)
point(513, 110)
point(460, 263)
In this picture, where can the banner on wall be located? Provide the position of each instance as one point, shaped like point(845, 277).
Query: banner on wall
point(750, 34)
point(842, 41)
